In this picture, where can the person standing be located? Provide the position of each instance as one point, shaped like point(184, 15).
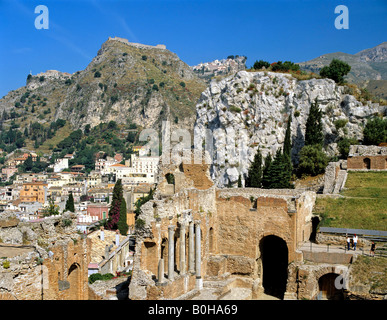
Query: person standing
point(354, 241)
point(372, 250)
point(348, 243)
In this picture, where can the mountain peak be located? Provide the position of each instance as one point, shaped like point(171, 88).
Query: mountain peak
point(375, 54)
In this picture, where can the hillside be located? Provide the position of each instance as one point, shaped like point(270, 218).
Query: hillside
point(366, 65)
point(126, 83)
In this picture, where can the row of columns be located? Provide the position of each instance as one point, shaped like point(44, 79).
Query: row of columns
point(194, 252)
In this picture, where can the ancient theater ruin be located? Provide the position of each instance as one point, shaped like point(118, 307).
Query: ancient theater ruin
point(193, 234)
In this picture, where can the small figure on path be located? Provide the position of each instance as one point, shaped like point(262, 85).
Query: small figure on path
point(348, 243)
point(372, 250)
point(354, 241)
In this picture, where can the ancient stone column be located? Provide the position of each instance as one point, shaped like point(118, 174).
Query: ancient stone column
point(191, 248)
point(182, 249)
point(161, 271)
point(171, 252)
point(198, 260)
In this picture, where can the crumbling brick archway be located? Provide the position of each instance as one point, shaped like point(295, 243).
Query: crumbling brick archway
point(329, 287)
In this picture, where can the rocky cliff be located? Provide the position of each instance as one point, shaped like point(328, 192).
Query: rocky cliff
point(258, 105)
point(125, 83)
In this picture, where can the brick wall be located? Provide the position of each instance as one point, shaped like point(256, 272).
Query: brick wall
point(378, 162)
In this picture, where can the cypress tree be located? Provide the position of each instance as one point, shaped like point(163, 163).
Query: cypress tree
point(122, 221)
point(313, 133)
point(70, 203)
point(287, 154)
point(115, 208)
point(265, 171)
point(254, 179)
point(287, 141)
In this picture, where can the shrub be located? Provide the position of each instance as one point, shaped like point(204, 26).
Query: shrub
point(182, 84)
point(336, 70)
point(340, 123)
point(97, 74)
point(139, 223)
point(235, 109)
point(97, 276)
point(260, 64)
point(313, 160)
point(6, 264)
point(375, 131)
point(343, 146)
point(144, 58)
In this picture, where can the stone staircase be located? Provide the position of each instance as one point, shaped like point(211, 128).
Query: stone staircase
point(340, 181)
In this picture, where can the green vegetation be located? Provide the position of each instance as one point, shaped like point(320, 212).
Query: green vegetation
point(51, 210)
point(117, 211)
point(139, 203)
point(312, 158)
point(375, 131)
point(70, 203)
point(254, 175)
point(336, 70)
point(275, 174)
point(97, 276)
point(364, 205)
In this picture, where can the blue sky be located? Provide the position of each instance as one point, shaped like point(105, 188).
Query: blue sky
point(196, 30)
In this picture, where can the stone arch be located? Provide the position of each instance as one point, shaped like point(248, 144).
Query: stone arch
point(366, 163)
point(73, 278)
point(274, 269)
point(329, 287)
point(149, 251)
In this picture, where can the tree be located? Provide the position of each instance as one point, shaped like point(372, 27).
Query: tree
point(115, 208)
point(265, 171)
point(313, 132)
point(261, 64)
point(28, 164)
point(344, 144)
point(287, 141)
point(70, 203)
point(336, 70)
point(122, 221)
point(287, 154)
point(51, 210)
point(277, 175)
point(254, 175)
point(313, 160)
point(375, 131)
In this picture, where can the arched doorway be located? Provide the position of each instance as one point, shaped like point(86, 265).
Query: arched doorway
point(73, 278)
point(274, 255)
point(327, 288)
point(367, 163)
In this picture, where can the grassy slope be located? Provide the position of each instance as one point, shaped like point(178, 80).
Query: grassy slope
point(364, 205)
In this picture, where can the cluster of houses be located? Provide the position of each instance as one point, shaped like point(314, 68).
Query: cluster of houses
point(29, 193)
point(223, 66)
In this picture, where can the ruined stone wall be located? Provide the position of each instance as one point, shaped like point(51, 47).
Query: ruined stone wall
point(48, 260)
point(232, 221)
point(377, 162)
